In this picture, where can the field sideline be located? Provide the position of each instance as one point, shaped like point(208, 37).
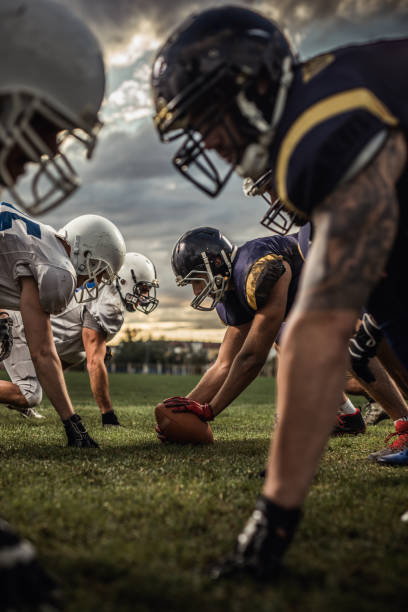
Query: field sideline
point(133, 526)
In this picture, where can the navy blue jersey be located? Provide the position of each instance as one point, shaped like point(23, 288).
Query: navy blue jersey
point(257, 266)
point(338, 104)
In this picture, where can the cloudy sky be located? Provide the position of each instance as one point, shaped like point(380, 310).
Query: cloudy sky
point(131, 180)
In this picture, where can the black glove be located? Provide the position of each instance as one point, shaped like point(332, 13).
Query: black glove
point(363, 347)
point(24, 585)
point(77, 434)
point(6, 335)
point(262, 544)
point(110, 418)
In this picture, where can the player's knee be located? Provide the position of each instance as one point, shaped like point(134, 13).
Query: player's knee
point(32, 392)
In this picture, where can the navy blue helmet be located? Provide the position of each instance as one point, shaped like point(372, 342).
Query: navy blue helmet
point(211, 66)
point(204, 254)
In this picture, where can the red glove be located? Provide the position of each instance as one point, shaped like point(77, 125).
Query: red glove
point(183, 404)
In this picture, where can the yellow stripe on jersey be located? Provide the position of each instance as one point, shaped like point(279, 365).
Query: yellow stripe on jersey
point(252, 278)
point(300, 252)
point(319, 112)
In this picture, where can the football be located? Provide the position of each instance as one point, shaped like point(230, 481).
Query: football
point(183, 427)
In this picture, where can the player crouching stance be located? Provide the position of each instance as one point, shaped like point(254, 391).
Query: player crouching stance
point(84, 327)
point(39, 272)
point(252, 289)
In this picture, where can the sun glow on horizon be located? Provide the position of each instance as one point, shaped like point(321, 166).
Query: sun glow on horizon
point(136, 48)
point(171, 331)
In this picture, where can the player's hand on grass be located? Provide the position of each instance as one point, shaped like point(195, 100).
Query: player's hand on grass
point(24, 584)
point(77, 434)
point(183, 404)
point(262, 543)
point(110, 419)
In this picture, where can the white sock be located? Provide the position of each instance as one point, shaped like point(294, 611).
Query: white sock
point(347, 408)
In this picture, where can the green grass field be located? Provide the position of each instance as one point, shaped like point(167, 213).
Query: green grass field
point(135, 525)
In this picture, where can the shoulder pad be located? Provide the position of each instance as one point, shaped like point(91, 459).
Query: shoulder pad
point(320, 147)
point(56, 287)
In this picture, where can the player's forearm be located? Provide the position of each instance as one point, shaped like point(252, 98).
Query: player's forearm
point(49, 372)
point(307, 404)
point(210, 384)
point(98, 377)
point(244, 370)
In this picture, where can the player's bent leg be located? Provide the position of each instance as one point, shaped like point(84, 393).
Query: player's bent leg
point(31, 392)
point(10, 393)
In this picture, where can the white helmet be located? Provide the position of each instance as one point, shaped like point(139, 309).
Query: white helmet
point(51, 79)
point(97, 247)
point(135, 280)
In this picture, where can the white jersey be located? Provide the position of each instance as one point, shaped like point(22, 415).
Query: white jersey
point(29, 248)
point(105, 314)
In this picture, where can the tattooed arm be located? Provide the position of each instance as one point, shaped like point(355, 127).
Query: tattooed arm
point(354, 232)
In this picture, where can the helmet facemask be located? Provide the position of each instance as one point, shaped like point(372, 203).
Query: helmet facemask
point(277, 218)
point(54, 179)
point(204, 167)
point(216, 76)
point(99, 274)
point(143, 297)
point(215, 285)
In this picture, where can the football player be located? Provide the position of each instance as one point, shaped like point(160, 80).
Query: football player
point(252, 289)
point(239, 284)
point(333, 130)
point(39, 272)
point(82, 330)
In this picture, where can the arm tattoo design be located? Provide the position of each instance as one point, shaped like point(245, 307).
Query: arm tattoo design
point(355, 231)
